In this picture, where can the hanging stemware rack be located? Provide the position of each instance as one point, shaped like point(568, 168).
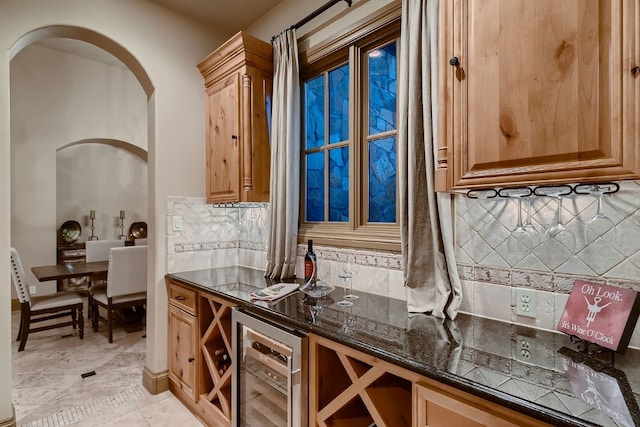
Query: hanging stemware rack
point(544, 190)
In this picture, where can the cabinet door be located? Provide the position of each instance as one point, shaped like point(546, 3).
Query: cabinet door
point(223, 149)
point(542, 91)
point(439, 407)
point(183, 340)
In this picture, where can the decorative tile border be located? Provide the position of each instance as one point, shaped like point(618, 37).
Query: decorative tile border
point(208, 246)
point(542, 281)
point(379, 259)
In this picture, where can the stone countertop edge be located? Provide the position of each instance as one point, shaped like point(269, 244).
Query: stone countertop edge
point(521, 405)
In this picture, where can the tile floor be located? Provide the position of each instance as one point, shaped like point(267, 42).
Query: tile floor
point(49, 390)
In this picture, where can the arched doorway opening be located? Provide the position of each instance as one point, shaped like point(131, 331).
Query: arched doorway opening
point(75, 108)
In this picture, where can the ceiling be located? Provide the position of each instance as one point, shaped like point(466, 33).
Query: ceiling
point(228, 15)
point(232, 15)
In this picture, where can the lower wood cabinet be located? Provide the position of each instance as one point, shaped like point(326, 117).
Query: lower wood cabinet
point(200, 351)
point(350, 388)
point(346, 387)
point(437, 405)
point(183, 345)
point(183, 340)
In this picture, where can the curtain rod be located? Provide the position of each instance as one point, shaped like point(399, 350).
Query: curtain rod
point(315, 14)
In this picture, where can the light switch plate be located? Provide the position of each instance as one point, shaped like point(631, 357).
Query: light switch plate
point(177, 223)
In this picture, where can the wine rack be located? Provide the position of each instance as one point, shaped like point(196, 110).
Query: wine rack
point(350, 388)
point(216, 365)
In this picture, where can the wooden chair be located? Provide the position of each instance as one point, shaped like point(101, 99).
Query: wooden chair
point(40, 309)
point(98, 250)
point(126, 285)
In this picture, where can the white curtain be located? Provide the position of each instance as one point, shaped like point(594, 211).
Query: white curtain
point(430, 271)
point(285, 158)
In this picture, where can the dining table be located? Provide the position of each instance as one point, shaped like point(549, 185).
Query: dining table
point(76, 269)
point(70, 270)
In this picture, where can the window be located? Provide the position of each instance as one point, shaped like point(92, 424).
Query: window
point(349, 138)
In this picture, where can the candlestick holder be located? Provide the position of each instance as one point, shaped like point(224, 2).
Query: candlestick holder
point(122, 235)
point(92, 237)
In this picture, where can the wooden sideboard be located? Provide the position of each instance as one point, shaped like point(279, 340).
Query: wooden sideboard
point(70, 252)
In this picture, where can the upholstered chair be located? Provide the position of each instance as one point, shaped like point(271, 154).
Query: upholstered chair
point(43, 308)
point(126, 286)
point(98, 250)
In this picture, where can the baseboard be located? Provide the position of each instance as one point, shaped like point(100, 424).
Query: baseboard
point(15, 306)
point(155, 382)
point(9, 422)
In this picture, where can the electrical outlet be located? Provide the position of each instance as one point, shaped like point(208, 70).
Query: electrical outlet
point(525, 349)
point(33, 290)
point(526, 302)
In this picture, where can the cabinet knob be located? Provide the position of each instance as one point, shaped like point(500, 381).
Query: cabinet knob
point(191, 359)
point(635, 71)
point(454, 61)
point(180, 298)
point(234, 137)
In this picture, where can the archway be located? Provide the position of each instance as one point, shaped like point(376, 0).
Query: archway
point(124, 56)
point(92, 37)
point(59, 98)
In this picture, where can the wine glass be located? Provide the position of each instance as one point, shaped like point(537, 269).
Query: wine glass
point(345, 276)
point(241, 221)
point(559, 243)
point(558, 232)
point(534, 236)
point(225, 213)
point(519, 241)
point(349, 322)
point(600, 226)
point(346, 272)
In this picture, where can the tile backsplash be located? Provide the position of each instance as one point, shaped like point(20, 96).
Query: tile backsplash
point(216, 235)
point(490, 272)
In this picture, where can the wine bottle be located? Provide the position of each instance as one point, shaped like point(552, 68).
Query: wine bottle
point(309, 262)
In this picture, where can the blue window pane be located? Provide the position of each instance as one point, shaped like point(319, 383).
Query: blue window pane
point(339, 184)
point(382, 89)
point(382, 180)
point(339, 104)
point(314, 112)
point(315, 187)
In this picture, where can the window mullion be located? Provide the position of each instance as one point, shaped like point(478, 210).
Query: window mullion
point(325, 148)
point(355, 136)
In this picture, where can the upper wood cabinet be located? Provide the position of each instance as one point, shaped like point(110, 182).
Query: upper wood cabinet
point(238, 82)
point(542, 91)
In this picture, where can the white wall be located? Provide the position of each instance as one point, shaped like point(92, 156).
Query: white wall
point(331, 22)
point(167, 49)
point(104, 178)
point(59, 99)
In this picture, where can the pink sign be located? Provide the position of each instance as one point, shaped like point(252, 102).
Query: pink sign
point(601, 314)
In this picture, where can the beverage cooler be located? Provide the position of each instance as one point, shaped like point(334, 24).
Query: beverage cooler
point(269, 386)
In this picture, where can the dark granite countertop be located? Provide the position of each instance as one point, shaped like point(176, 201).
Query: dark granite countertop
point(539, 373)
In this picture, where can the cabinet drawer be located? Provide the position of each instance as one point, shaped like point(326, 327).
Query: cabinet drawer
point(182, 297)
